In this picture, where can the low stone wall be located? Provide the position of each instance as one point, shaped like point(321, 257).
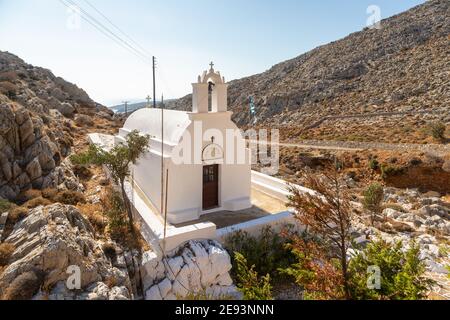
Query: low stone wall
point(254, 227)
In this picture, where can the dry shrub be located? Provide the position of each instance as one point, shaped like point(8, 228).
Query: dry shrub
point(93, 212)
point(111, 282)
point(326, 213)
point(36, 202)
point(27, 196)
point(82, 172)
point(8, 88)
point(17, 214)
point(50, 194)
point(110, 251)
point(25, 286)
point(70, 197)
point(32, 194)
point(6, 251)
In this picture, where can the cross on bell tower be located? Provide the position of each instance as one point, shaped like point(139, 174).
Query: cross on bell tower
point(210, 92)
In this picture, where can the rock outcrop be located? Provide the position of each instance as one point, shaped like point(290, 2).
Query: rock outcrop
point(49, 244)
point(37, 111)
point(198, 268)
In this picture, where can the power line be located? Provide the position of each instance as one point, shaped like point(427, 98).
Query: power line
point(107, 29)
point(104, 30)
point(117, 28)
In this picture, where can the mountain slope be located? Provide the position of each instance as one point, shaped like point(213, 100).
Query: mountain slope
point(39, 116)
point(404, 66)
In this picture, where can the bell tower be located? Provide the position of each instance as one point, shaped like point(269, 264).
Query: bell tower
point(210, 83)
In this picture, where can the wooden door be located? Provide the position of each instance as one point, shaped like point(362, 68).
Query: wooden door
point(210, 187)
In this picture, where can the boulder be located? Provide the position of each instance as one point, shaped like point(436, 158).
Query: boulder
point(66, 109)
point(34, 170)
point(50, 240)
point(164, 287)
point(153, 294)
point(83, 120)
point(196, 268)
point(391, 213)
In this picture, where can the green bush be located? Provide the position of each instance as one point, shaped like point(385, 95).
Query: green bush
point(5, 205)
point(389, 171)
point(248, 282)
point(373, 197)
point(374, 164)
point(115, 211)
point(437, 130)
point(402, 273)
point(267, 252)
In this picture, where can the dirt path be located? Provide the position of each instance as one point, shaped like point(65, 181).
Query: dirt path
point(309, 146)
point(359, 146)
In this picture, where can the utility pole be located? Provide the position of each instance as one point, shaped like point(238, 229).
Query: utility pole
point(162, 158)
point(154, 82)
point(126, 107)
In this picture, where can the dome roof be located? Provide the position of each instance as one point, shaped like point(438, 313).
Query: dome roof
point(148, 121)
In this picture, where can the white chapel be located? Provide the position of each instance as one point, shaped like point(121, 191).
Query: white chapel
point(206, 165)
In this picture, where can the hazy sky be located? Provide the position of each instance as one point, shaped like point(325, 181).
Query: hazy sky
point(242, 37)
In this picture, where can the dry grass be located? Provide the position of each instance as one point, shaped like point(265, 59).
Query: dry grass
point(111, 282)
point(32, 194)
point(50, 194)
point(94, 213)
point(70, 197)
point(82, 172)
point(36, 202)
point(6, 251)
point(17, 214)
point(24, 287)
point(110, 250)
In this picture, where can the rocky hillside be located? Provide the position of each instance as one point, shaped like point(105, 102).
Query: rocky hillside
point(47, 243)
point(39, 116)
point(402, 68)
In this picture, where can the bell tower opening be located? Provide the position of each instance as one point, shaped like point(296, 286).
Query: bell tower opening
point(210, 95)
point(210, 92)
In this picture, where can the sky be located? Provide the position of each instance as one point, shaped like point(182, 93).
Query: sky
point(242, 37)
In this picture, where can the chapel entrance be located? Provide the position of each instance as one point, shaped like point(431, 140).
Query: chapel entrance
point(210, 187)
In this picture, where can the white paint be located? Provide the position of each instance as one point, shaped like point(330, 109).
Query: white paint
point(197, 130)
point(196, 268)
point(254, 227)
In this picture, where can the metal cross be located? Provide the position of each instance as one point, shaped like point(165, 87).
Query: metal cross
point(212, 65)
